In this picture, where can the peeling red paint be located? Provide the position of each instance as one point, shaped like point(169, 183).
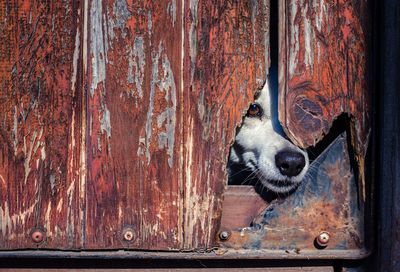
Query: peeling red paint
point(336, 80)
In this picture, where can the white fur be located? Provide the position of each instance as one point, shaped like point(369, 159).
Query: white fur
point(256, 144)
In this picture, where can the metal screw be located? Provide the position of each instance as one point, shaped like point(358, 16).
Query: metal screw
point(128, 235)
point(323, 238)
point(224, 235)
point(37, 236)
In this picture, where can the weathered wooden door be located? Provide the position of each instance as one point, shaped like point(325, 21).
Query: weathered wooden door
point(117, 117)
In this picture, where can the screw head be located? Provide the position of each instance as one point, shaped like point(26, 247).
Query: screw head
point(37, 236)
point(224, 235)
point(323, 238)
point(128, 235)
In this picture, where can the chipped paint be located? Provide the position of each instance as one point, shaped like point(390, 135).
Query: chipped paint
point(167, 85)
point(188, 222)
point(70, 226)
point(193, 6)
point(120, 15)
point(136, 65)
point(294, 40)
point(308, 36)
point(171, 9)
point(120, 49)
point(266, 44)
point(149, 115)
point(254, 14)
point(205, 115)
point(53, 184)
point(150, 24)
point(97, 45)
point(105, 122)
point(75, 62)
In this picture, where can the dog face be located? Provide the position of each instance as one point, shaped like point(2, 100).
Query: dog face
point(263, 150)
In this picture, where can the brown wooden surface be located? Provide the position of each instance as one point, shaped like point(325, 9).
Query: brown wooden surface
point(323, 71)
point(227, 60)
point(40, 122)
point(119, 114)
point(134, 125)
point(241, 205)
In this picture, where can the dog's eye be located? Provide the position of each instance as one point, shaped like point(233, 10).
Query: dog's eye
point(255, 110)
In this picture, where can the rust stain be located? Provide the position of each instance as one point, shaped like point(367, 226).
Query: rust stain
point(325, 201)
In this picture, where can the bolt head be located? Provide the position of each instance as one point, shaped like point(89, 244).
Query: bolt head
point(323, 238)
point(128, 235)
point(224, 235)
point(37, 236)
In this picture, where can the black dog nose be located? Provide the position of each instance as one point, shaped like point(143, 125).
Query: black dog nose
point(290, 163)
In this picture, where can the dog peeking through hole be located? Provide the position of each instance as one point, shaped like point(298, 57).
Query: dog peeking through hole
point(261, 154)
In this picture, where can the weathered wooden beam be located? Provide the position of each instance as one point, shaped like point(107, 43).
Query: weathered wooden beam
point(227, 58)
point(323, 71)
point(40, 93)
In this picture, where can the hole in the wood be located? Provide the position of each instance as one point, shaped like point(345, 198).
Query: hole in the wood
point(340, 125)
point(239, 173)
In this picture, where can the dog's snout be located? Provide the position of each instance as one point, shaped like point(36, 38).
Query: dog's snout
point(290, 163)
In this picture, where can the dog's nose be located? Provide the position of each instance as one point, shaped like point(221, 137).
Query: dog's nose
point(290, 163)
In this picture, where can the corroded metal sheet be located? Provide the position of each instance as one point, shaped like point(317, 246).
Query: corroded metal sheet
point(40, 123)
point(326, 201)
point(323, 71)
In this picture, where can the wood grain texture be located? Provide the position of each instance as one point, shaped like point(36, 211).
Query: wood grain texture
point(323, 71)
point(134, 125)
point(117, 118)
point(39, 123)
point(236, 216)
point(227, 60)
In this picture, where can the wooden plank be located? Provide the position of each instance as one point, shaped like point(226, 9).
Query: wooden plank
point(323, 71)
point(40, 120)
point(134, 179)
point(118, 116)
point(241, 205)
point(227, 57)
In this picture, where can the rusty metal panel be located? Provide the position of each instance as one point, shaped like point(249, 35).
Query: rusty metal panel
point(323, 71)
point(40, 123)
point(326, 201)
